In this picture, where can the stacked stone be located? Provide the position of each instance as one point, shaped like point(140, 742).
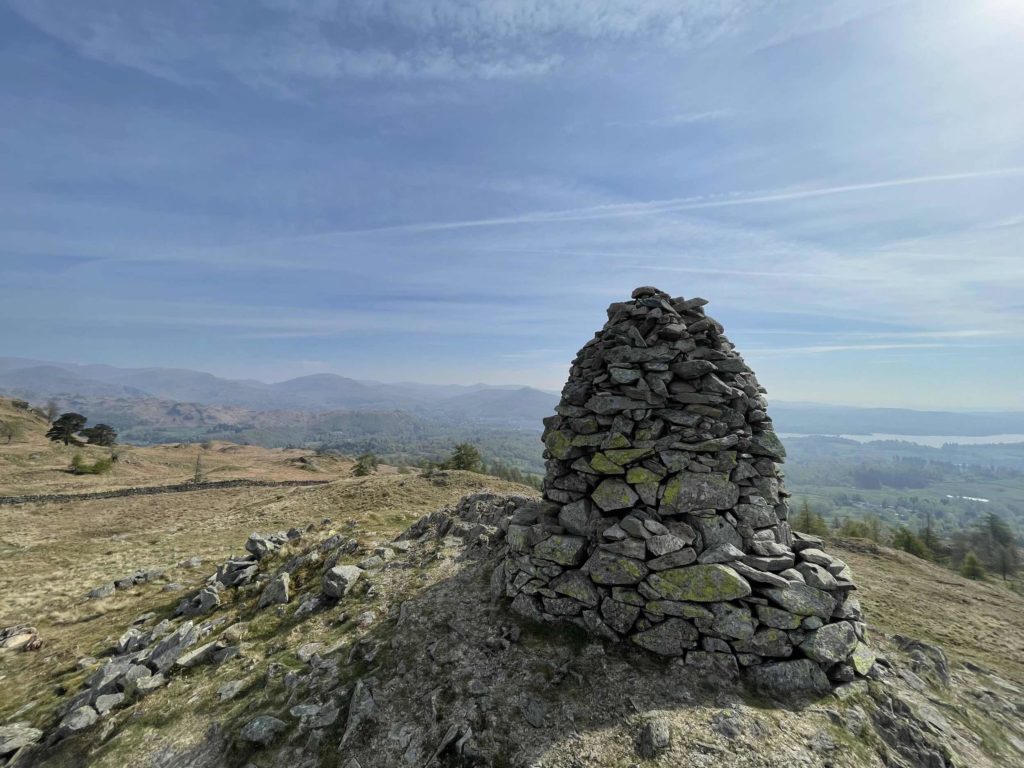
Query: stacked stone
point(664, 519)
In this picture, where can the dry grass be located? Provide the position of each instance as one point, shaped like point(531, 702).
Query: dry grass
point(32, 464)
point(52, 554)
point(978, 621)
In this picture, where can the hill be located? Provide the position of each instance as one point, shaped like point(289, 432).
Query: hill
point(38, 380)
point(417, 665)
point(31, 464)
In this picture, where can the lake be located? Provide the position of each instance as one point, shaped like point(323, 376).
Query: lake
point(933, 441)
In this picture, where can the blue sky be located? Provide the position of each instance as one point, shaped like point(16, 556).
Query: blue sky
point(449, 191)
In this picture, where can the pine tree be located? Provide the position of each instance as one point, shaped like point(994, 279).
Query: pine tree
point(972, 567)
point(101, 434)
point(927, 534)
point(1007, 560)
point(365, 465)
point(65, 428)
point(465, 456)
point(905, 539)
point(809, 521)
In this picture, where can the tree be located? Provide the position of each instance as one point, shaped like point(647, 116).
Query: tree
point(905, 539)
point(50, 410)
point(101, 434)
point(65, 428)
point(809, 521)
point(875, 529)
point(365, 465)
point(1007, 560)
point(996, 531)
point(927, 533)
point(8, 431)
point(465, 456)
point(197, 476)
point(972, 567)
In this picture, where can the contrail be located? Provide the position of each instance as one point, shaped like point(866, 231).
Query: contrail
point(617, 210)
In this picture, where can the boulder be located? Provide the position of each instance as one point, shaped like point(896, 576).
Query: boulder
point(263, 730)
point(14, 736)
point(171, 647)
point(260, 546)
point(77, 720)
point(654, 738)
point(104, 590)
point(276, 592)
point(340, 579)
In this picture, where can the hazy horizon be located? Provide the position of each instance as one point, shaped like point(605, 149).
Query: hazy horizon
point(442, 192)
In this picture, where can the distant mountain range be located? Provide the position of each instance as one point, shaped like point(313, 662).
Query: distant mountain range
point(35, 379)
point(161, 402)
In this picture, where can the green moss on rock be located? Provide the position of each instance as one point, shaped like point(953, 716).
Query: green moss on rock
point(700, 583)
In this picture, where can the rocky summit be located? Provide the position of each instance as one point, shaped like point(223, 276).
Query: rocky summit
point(664, 521)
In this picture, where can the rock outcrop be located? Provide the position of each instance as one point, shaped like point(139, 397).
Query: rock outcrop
point(665, 522)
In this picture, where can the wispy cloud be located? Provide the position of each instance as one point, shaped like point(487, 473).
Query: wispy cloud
point(690, 203)
point(681, 118)
point(826, 348)
point(431, 40)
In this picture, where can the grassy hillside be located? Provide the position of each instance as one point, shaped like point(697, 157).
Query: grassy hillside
point(51, 555)
point(32, 464)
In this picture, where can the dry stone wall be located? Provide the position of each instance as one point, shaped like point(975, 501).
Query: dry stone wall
point(665, 522)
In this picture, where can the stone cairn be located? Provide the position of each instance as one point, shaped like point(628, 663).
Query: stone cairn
point(664, 520)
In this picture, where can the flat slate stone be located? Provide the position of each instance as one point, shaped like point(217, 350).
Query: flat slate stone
point(609, 568)
point(684, 610)
point(635, 548)
point(700, 583)
point(564, 550)
point(686, 492)
point(613, 494)
point(675, 559)
point(767, 444)
point(672, 637)
point(619, 616)
point(831, 643)
point(717, 530)
point(762, 577)
point(723, 553)
point(663, 544)
point(766, 642)
point(777, 618)
point(732, 621)
point(789, 678)
point(803, 600)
